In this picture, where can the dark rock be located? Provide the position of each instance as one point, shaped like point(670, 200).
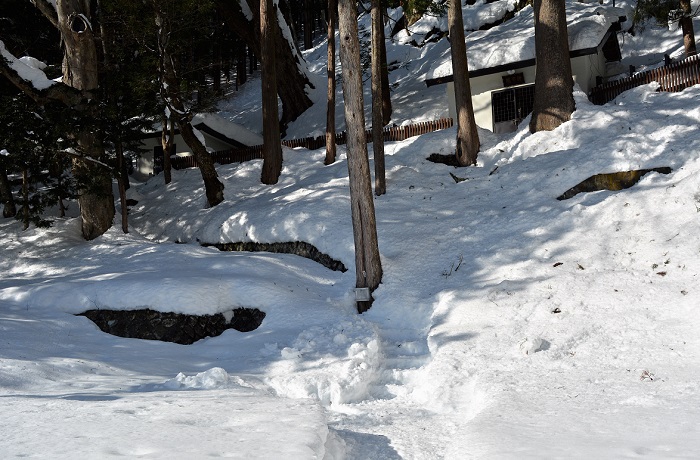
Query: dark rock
point(172, 327)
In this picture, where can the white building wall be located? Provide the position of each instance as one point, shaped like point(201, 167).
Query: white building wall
point(584, 69)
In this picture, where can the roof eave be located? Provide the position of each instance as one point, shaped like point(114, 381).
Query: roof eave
point(525, 63)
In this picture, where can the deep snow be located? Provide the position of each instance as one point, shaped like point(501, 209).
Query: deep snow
point(508, 324)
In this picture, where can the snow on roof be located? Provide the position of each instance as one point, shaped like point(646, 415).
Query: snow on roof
point(228, 128)
point(218, 127)
point(514, 40)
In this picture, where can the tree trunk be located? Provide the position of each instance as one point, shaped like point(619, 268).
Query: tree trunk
point(368, 267)
point(213, 187)
point(167, 137)
point(330, 109)
point(9, 209)
point(25, 198)
point(386, 91)
point(467, 134)
point(122, 186)
point(80, 72)
point(292, 82)
point(377, 99)
point(308, 42)
point(554, 84)
point(686, 23)
point(272, 145)
point(241, 73)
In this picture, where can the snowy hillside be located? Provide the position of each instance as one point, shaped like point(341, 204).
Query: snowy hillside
point(508, 325)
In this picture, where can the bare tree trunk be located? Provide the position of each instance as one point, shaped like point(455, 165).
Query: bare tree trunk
point(241, 73)
point(272, 145)
point(122, 185)
point(686, 23)
point(386, 91)
point(25, 198)
point(554, 84)
point(80, 72)
point(330, 109)
point(166, 141)
point(368, 265)
point(9, 209)
point(467, 134)
point(377, 99)
point(308, 43)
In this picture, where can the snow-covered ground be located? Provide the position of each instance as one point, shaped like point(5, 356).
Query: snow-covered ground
point(508, 324)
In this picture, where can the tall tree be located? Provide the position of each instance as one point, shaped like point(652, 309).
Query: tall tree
point(78, 91)
point(80, 71)
point(368, 267)
point(386, 90)
point(554, 83)
point(272, 146)
point(378, 99)
point(330, 108)
point(467, 134)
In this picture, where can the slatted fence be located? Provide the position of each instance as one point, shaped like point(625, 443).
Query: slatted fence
point(671, 78)
point(391, 134)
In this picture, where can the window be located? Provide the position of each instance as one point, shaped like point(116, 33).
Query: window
point(510, 106)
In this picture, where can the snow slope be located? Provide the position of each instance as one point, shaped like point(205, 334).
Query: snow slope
point(508, 325)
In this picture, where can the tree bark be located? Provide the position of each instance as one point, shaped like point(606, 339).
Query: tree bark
point(686, 23)
point(467, 134)
point(9, 209)
point(377, 99)
point(386, 90)
point(25, 198)
point(308, 42)
point(80, 72)
point(272, 145)
point(330, 108)
point(554, 84)
point(167, 137)
point(368, 267)
point(122, 181)
point(292, 83)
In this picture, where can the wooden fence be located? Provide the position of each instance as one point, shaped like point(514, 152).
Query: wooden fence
point(671, 78)
point(239, 155)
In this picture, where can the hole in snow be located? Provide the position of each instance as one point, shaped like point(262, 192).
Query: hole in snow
point(173, 327)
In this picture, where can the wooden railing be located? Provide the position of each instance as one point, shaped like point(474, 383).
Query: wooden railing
point(239, 155)
point(671, 78)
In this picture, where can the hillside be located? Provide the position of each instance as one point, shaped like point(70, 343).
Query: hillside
point(508, 325)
